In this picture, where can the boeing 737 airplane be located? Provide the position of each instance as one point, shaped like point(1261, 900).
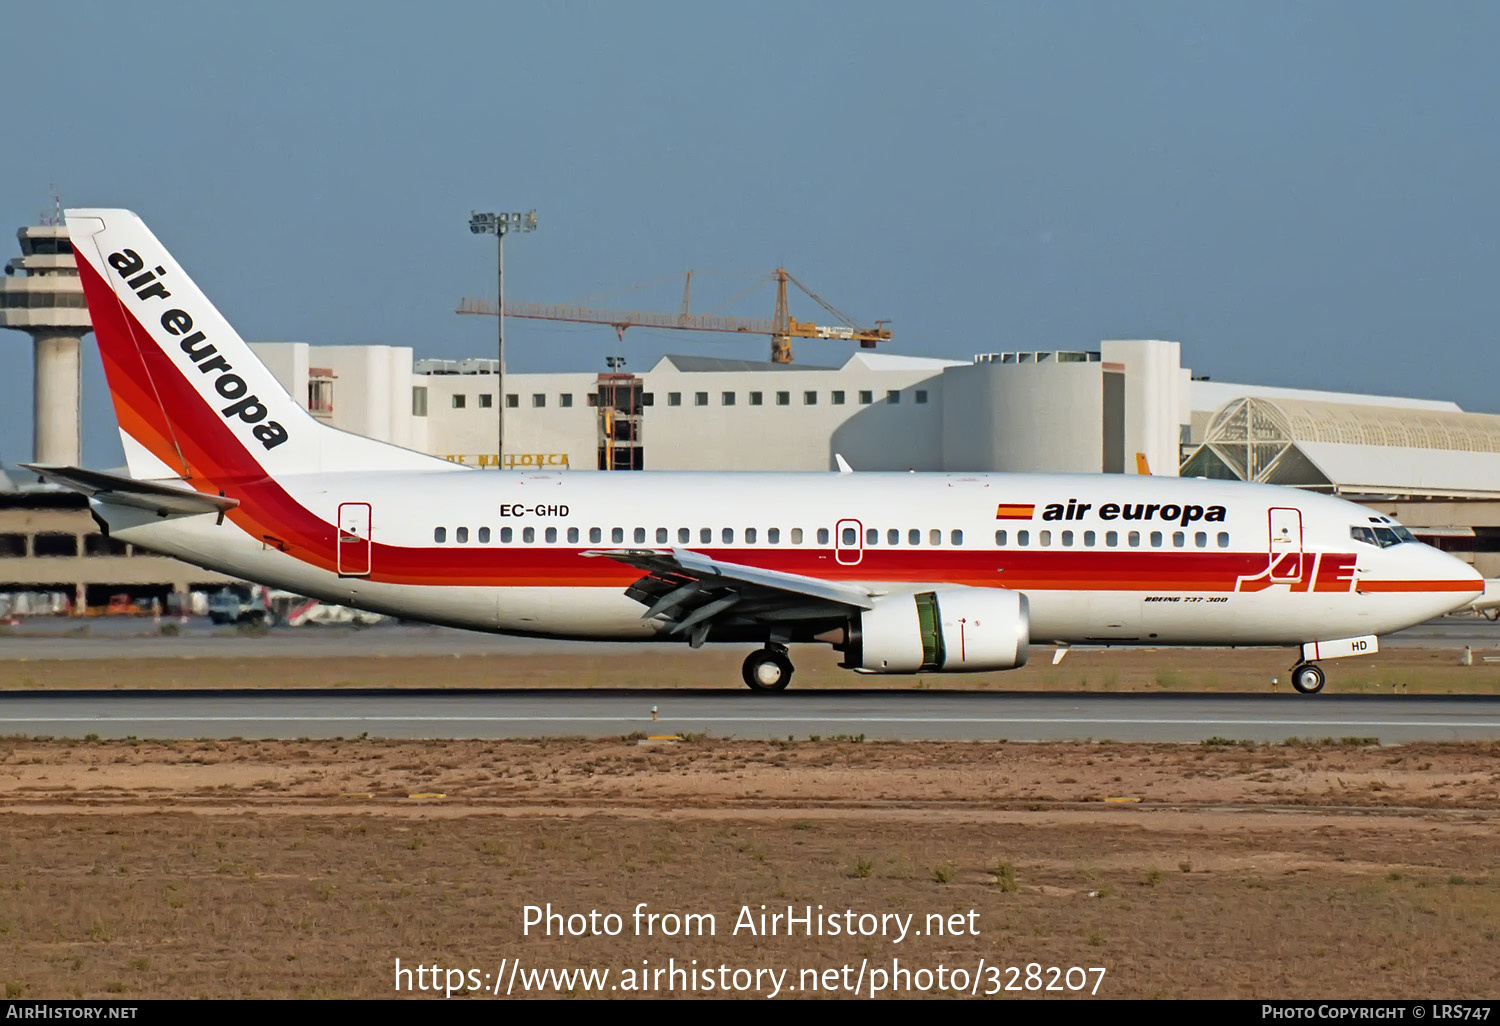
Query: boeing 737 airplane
point(901, 573)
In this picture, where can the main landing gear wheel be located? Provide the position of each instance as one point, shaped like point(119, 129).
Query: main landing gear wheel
point(1307, 678)
point(767, 669)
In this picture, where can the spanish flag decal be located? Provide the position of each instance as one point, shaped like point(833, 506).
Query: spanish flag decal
point(1015, 510)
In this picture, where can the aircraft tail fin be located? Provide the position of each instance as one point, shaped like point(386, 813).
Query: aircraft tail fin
point(192, 400)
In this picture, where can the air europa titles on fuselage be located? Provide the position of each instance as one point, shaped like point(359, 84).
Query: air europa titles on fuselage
point(248, 407)
point(1183, 514)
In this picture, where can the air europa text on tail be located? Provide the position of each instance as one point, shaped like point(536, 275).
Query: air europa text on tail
point(247, 407)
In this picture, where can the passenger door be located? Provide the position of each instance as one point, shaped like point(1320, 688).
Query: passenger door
point(354, 539)
point(1285, 544)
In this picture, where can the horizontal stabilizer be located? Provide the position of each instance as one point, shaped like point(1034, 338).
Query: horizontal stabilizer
point(157, 496)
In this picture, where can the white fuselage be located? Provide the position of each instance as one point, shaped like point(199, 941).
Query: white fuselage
point(1234, 564)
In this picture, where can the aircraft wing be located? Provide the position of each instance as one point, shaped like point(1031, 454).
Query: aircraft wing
point(696, 592)
point(158, 497)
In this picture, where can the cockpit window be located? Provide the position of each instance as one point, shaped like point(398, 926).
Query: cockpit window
point(1384, 536)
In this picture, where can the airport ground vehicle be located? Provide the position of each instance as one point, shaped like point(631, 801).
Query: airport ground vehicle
point(240, 606)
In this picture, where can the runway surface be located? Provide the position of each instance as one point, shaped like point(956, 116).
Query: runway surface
point(1015, 716)
point(43, 638)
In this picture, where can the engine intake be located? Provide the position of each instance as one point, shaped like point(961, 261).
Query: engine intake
point(950, 630)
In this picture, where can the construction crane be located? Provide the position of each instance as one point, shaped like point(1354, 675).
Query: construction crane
point(782, 327)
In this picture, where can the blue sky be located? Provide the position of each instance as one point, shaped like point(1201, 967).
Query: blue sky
point(1302, 194)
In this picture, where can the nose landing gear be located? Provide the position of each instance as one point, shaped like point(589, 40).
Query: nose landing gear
point(1307, 678)
point(768, 669)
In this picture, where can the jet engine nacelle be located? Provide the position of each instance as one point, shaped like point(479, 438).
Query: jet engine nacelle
point(948, 630)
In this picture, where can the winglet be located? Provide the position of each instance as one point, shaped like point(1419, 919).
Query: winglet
point(843, 464)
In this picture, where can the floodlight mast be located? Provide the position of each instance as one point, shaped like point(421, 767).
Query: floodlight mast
point(500, 225)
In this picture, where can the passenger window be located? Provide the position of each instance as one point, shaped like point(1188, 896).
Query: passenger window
point(956, 537)
point(573, 535)
point(914, 537)
point(1156, 539)
point(872, 536)
point(822, 536)
point(705, 535)
point(1088, 538)
point(551, 535)
point(616, 535)
point(1178, 539)
point(1000, 539)
point(934, 537)
point(848, 536)
point(773, 535)
point(796, 536)
point(1023, 537)
point(1201, 539)
point(1135, 539)
point(1067, 538)
point(749, 536)
point(1223, 539)
point(640, 535)
point(506, 535)
point(684, 535)
point(1044, 538)
point(484, 536)
point(727, 535)
point(1112, 538)
point(461, 535)
point(893, 537)
point(595, 535)
point(440, 534)
point(661, 536)
point(528, 535)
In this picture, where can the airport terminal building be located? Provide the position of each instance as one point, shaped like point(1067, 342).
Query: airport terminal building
point(1127, 405)
point(1088, 412)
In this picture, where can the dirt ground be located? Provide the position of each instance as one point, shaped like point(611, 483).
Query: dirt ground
point(1431, 671)
point(263, 869)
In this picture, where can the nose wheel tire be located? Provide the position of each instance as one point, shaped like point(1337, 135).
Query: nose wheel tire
point(1307, 678)
point(767, 670)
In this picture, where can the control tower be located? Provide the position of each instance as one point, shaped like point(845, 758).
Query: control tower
point(42, 295)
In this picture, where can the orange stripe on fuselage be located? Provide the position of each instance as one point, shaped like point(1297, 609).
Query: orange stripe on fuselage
point(1444, 585)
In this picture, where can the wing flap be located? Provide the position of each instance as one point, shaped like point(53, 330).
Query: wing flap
point(682, 566)
point(697, 594)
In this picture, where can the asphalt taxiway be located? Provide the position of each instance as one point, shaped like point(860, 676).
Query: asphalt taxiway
point(44, 638)
point(1014, 716)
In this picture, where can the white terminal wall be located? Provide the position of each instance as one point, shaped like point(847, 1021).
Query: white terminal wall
point(1156, 400)
point(465, 433)
point(981, 416)
point(372, 387)
point(880, 435)
point(287, 362)
point(1024, 417)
